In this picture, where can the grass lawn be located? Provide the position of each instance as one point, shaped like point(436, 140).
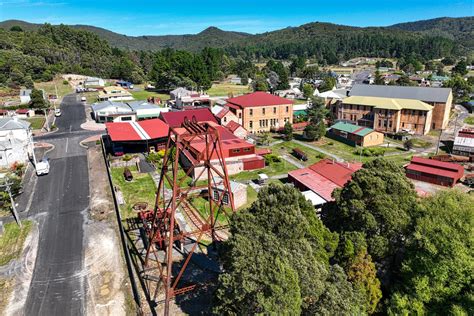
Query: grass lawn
point(140, 189)
point(421, 143)
point(348, 153)
point(50, 87)
point(272, 170)
point(298, 101)
point(223, 89)
point(287, 148)
point(90, 96)
point(37, 122)
point(202, 205)
point(144, 94)
point(469, 120)
point(11, 242)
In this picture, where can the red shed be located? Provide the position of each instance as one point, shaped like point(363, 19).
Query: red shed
point(434, 171)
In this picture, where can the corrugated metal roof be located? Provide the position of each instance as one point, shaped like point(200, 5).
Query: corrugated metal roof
point(258, 98)
point(388, 103)
point(9, 123)
point(176, 119)
point(352, 129)
point(417, 93)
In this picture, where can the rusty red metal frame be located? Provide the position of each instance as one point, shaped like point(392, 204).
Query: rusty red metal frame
point(162, 230)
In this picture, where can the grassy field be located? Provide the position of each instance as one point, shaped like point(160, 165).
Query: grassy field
point(223, 89)
point(50, 87)
point(37, 122)
point(469, 120)
point(274, 169)
point(287, 148)
point(11, 242)
point(349, 153)
point(140, 189)
point(144, 94)
point(421, 143)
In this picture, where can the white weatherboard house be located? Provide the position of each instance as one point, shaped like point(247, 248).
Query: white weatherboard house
point(109, 111)
point(145, 110)
point(25, 97)
point(15, 141)
point(94, 82)
point(114, 94)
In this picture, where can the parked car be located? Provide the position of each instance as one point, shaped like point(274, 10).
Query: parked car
point(57, 112)
point(42, 167)
point(83, 99)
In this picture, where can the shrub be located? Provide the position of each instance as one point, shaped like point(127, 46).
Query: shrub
point(370, 152)
point(330, 143)
point(127, 157)
point(271, 158)
point(65, 82)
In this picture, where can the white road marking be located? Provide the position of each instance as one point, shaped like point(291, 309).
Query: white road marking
point(67, 143)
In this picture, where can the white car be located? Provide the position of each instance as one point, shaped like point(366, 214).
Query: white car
point(42, 167)
point(83, 99)
point(57, 112)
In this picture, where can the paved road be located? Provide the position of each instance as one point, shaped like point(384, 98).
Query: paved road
point(60, 204)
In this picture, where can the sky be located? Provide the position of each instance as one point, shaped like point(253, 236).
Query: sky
point(160, 17)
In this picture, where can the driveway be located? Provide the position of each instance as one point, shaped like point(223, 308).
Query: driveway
point(59, 204)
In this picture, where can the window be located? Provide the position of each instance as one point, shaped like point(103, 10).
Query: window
point(263, 111)
point(240, 115)
point(287, 109)
point(110, 119)
point(274, 110)
point(246, 149)
point(390, 124)
point(251, 112)
point(380, 123)
point(225, 119)
point(126, 118)
point(235, 151)
point(250, 124)
point(403, 124)
point(225, 198)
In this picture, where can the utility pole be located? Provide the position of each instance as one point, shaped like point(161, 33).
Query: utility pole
point(7, 186)
point(439, 140)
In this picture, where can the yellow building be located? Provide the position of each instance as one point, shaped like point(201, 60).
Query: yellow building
point(261, 112)
point(114, 93)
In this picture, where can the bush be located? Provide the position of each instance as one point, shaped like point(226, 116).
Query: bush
point(271, 158)
point(65, 82)
point(370, 152)
point(330, 143)
point(155, 157)
point(127, 157)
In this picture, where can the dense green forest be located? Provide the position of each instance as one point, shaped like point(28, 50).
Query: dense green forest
point(30, 54)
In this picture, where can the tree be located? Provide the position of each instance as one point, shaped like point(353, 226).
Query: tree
point(460, 68)
point(378, 78)
point(308, 90)
point(317, 112)
point(288, 131)
point(404, 80)
point(37, 100)
point(437, 271)
point(328, 84)
point(408, 144)
point(461, 88)
point(448, 61)
point(277, 259)
point(16, 28)
point(380, 203)
point(260, 84)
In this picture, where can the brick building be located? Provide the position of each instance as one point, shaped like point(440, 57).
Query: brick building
point(386, 115)
point(439, 98)
point(260, 111)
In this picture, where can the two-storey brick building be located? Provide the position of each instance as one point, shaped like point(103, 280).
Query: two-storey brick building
point(439, 98)
point(388, 115)
point(260, 111)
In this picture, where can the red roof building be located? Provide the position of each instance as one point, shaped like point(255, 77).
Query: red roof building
point(176, 118)
point(131, 137)
point(261, 111)
point(434, 171)
point(323, 177)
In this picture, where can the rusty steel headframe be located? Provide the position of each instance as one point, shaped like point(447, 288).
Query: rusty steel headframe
point(162, 230)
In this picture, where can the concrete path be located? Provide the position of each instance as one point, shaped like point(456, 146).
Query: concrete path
point(292, 161)
point(335, 157)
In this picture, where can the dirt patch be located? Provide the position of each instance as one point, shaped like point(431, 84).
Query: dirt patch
point(101, 206)
point(107, 282)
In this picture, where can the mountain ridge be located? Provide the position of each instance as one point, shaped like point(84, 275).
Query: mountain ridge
point(459, 29)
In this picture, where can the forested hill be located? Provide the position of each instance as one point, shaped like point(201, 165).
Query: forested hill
point(303, 39)
point(459, 29)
